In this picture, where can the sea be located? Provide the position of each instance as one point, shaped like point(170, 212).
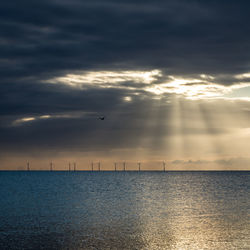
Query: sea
point(124, 210)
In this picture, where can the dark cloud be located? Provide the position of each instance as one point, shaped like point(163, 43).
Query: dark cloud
point(123, 127)
point(49, 37)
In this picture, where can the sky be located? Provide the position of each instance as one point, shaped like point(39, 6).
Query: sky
point(172, 79)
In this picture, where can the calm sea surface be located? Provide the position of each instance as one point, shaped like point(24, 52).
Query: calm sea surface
point(124, 210)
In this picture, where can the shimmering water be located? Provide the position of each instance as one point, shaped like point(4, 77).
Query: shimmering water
point(124, 210)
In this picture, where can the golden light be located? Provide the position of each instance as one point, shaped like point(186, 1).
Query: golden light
point(189, 88)
point(107, 79)
point(127, 98)
point(24, 120)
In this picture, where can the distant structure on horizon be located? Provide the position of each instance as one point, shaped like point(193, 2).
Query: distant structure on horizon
point(96, 166)
point(118, 166)
point(51, 166)
point(139, 166)
point(28, 166)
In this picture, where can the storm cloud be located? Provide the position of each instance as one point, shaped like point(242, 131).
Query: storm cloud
point(155, 69)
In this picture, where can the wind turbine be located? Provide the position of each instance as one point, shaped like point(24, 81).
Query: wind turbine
point(28, 166)
point(164, 166)
point(139, 166)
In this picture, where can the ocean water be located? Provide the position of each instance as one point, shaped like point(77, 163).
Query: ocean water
point(124, 210)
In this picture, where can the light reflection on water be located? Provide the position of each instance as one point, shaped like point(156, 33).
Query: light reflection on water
point(124, 210)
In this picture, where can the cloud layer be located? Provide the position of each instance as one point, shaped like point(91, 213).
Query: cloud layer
point(165, 74)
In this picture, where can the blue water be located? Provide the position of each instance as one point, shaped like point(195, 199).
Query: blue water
point(124, 210)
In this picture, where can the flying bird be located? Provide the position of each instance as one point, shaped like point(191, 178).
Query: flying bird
point(101, 118)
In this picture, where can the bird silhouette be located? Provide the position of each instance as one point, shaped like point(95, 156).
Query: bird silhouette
point(101, 118)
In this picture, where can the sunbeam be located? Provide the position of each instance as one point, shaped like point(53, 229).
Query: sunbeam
point(174, 142)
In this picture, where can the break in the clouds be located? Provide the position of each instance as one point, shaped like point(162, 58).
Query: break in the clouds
point(196, 87)
point(172, 79)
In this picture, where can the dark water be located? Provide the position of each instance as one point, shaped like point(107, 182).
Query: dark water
point(124, 210)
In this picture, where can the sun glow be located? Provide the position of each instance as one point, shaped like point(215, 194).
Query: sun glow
point(107, 79)
point(127, 98)
point(24, 120)
point(189, 88)
point(70, 115)
point(201, 86)
point(243, 76)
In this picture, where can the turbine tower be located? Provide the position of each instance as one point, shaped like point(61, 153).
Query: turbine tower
point(124, 166)
point(139, 166)
point(92, 166)
point(28, 166)
point(115, 166)
point(74, 166)
point(99, 166)
point(51, 166)
point(69, 166)
point(164, 166)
